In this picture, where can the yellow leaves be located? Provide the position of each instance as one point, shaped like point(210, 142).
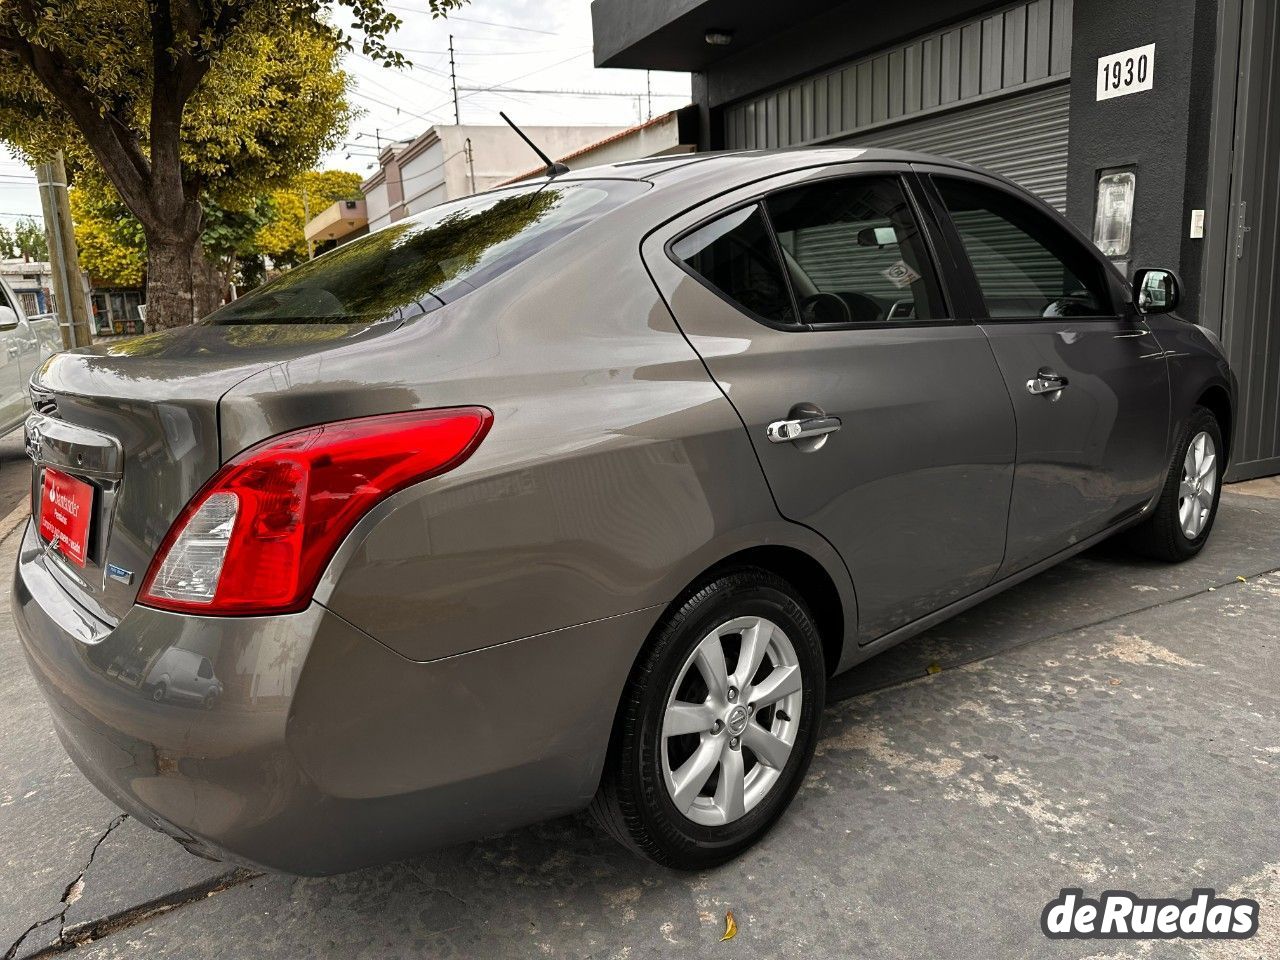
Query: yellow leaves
point(110, 241)
point(730, 927)
point(933, 668)
point(282, 239)
point(272, 103)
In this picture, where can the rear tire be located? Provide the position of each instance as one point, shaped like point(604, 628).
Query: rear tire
point(1179, 527)
point(676, 720)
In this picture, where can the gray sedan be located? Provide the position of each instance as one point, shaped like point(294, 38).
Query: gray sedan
point(576, 494)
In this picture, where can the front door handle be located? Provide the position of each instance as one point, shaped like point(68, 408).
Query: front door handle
point(1045, 382)
point(789, 431)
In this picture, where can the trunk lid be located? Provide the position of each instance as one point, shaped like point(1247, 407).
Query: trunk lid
point(138, 421)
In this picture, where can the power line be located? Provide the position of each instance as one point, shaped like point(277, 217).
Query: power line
point(639, 94)
point(487, 23)
point(522, 76)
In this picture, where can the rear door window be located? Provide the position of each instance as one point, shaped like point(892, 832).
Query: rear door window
point(854, 253)
point(1026, 266)
point(429, 259)
point(736, 256)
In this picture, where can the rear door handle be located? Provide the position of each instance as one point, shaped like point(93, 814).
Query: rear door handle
point(788, 431)
point(1044, 382)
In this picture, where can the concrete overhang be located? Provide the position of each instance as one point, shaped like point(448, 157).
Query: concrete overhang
point(336, 221)
point(672, 34)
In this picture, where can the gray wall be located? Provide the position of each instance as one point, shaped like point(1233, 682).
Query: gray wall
point(843, 33)
point(1161, 133)
point(991, 55)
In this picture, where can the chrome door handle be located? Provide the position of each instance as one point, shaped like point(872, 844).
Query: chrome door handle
point(788, 431)
point(1046, 383)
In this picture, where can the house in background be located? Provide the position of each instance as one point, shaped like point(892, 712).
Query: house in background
point(337, 223)
point(447, 162)
point(660, 136)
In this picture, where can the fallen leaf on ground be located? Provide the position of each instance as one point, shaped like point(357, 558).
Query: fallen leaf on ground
point(730, 927)
point(933, 668)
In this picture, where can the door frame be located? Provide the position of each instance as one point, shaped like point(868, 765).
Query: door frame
point(1237, 122)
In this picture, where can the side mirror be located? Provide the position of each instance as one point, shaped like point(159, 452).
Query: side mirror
point(1156, 291)
point(8, 319)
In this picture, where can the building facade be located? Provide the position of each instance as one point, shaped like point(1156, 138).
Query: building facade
point(666, 134)
point(1147, 124)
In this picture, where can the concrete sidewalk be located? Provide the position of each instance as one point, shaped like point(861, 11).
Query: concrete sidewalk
point(1112, 724)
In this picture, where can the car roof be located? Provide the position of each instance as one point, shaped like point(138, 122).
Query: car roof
point(673, 168)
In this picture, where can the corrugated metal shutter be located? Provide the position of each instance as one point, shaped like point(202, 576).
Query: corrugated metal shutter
point(1023, 138)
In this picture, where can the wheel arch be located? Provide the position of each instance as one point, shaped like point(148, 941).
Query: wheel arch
point(1218, 402)
point(807, 576)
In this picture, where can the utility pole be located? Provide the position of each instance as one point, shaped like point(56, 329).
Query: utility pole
point(306, 219)
point(453, 80)
point(64, 259)
point(648, 93)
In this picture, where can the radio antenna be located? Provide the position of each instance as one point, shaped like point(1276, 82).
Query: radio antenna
point(554, 169)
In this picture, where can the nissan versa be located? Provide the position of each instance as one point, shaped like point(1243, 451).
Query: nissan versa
point(577, 493)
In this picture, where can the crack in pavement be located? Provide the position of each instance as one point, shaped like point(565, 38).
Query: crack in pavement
point(70, 894)
point(90, 930)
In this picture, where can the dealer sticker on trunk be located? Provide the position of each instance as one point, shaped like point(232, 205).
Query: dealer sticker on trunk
point(66, 506)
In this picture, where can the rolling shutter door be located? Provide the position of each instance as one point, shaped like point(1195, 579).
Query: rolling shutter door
point(1023, 138)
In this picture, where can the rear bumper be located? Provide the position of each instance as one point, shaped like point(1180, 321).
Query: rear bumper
point(321, 750)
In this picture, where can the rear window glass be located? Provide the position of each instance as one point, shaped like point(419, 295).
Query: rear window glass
point(432, 258)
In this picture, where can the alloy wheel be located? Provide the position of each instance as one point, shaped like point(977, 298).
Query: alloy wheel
point(1198, 486)
point(727, 732)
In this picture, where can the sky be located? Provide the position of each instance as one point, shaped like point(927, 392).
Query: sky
point(502, 50)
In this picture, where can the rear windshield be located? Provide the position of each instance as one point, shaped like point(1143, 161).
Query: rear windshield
point(433, 258)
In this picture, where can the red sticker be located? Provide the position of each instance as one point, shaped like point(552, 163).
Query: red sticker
point(66, 506)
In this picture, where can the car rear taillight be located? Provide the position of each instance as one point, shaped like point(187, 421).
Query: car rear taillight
point(257, 537)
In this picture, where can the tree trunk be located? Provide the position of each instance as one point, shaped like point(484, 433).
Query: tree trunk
point(182, 285)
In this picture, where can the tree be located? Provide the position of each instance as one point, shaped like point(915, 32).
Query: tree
point(281, 238)
point(30, 239)
point(113, 246)
point(176, 99)
point(25, 240)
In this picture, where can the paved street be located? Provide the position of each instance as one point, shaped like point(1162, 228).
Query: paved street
point(1112, 724)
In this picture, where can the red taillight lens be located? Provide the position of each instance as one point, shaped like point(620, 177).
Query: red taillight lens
point(257, 537)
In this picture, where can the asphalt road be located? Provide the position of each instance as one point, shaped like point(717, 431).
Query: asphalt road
point(1111, 724)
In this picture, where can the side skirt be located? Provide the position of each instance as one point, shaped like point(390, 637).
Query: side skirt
point(906, 632)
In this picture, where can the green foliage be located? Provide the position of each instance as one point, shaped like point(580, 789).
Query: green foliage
point(29, 236)
point(270, 106)
point(281, 238)
point(25, 240)
point(182, 103)
point(113, 246)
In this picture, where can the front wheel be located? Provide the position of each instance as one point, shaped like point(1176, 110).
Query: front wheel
point(718, 724)
point(1188, 504)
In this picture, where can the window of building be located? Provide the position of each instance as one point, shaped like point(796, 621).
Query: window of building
point(737, 257)
point(1026, 265)
point(854, 253)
